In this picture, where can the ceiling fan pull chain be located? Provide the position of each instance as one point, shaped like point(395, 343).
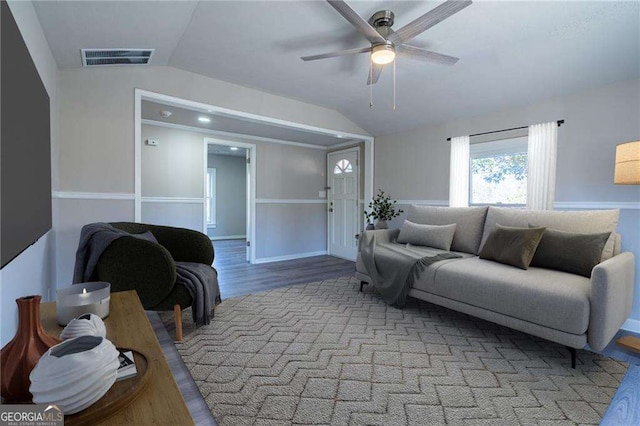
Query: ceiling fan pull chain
point(370, 85)
point(394, 85)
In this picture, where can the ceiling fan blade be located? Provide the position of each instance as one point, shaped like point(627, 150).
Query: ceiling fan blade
point(374, 75)
point(339, 53)
point(357, 21)
point(428, 20)
point(413, 52)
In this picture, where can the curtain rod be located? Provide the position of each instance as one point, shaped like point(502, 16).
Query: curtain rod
point(560, 123)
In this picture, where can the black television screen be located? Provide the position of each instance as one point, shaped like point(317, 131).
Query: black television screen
point(25, 145)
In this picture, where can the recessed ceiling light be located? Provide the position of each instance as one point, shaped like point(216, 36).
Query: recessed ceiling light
point(339, 136)
point(165, 113)
point(204, 119)
point(233, 148)
point(210, 110)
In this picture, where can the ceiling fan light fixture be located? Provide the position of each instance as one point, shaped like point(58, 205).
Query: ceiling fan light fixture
point(383, 54)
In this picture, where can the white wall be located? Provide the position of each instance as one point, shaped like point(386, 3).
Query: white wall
point(415, 165)
point(33, 272)
point(231, 195)
point(95, 153)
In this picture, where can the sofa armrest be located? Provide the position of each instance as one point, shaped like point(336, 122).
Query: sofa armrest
point(611, 298)
point(131, 263)
point(185, 245)
point(382, 235)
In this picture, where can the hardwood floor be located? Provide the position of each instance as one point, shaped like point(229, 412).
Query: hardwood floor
point(237, 277)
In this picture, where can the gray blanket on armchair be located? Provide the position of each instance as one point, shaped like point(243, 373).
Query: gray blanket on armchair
point(393, 267)
point(196, 277)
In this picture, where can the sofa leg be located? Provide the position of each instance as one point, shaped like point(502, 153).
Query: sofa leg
point(362, 284)
point(177, 312)
point(573, 357)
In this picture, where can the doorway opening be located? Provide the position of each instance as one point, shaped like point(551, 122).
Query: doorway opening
point(167, 194)
point(229, 192)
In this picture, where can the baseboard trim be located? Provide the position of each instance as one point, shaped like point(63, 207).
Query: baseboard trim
point(73, 195)
point(631, 325)
point(290, 257)
point(228, 237)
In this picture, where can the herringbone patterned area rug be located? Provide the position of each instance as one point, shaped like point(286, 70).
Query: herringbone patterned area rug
point(324, 353)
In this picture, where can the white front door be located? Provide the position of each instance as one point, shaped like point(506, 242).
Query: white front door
point(344, 213)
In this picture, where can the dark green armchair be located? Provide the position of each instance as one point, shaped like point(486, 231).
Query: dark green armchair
point(131, 263)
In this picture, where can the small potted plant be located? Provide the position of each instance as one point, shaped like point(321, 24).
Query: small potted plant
point(382, 209)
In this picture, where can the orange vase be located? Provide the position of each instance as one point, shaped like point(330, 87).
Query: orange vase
point(22, 353)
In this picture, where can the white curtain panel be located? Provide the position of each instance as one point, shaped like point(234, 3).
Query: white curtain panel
point(459, 172)
point(541, 169)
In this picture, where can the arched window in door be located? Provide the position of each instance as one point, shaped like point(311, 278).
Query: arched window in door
point(343, 166)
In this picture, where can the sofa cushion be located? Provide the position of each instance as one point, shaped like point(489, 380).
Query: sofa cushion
point(436, 236)
point(554, 299)
point(584, 222)
point(569, 252)
point(512, 246)
point(469, 223)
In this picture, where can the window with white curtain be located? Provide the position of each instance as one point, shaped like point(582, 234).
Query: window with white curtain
point(211, 197)
point(518, 171)
point(498, 172)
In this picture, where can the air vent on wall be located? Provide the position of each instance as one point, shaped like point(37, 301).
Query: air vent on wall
point(100, 57)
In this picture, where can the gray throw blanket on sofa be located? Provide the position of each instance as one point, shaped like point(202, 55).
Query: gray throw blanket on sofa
point(394, 268)
point(96, 237)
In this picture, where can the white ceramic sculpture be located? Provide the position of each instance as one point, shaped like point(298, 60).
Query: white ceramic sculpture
point(84, 325)
point(75, 374)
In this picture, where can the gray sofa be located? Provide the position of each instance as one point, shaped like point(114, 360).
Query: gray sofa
point(559, 306)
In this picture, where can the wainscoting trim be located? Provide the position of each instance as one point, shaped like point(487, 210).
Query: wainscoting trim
point(427, 202)
point(290, 201)
point(558, 205)
point(631, 325)
point(173, 200)
point(290, 256)
point(73, 195)
point(596, 205)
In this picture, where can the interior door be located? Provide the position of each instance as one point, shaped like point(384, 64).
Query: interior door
point(344, 213)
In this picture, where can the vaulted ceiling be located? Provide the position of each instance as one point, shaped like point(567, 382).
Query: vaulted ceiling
point(511, 53)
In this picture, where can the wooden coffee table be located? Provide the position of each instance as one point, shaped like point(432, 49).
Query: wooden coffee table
point(128, 326)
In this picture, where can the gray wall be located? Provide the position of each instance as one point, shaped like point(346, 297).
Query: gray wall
point(414, 165)
point(95, 156)
point(231, 195)
point(172, 171)
point(33, 271)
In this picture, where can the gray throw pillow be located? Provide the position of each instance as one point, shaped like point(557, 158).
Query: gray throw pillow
point(569, 252)
point(436, 236)
point(148, 236)
point(512, 246)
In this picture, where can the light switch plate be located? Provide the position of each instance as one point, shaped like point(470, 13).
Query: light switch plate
point(152, 142)
point(322, 194)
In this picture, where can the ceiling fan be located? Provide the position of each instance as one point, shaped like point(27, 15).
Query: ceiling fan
point(386, 43)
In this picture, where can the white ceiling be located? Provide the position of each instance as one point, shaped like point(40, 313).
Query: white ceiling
point(512, 53)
